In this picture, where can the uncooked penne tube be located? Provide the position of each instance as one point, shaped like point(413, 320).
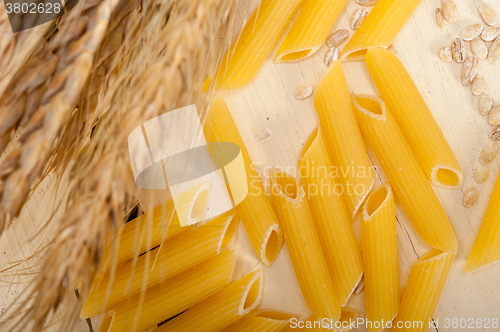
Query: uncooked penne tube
point(331, 217)
point(173, 257)
point(262, 321)
point(423, 290)
point(486, 249)
point(258, 38)
point(304, 247)
point(379, 28)
point(380, 256)
point(222, 309)
point(413, 116)
point(346, 323)
point(172, 296)
point(406, 177)
point(149, 230)
point(310, 29)
point(256, 211)
point(334, 107)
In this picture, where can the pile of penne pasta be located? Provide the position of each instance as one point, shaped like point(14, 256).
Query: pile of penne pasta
point(183, 283)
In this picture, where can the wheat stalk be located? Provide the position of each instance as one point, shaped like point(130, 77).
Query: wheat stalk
point(44, 96)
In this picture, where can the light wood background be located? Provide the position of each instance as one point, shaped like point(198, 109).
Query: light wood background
point(274, 126)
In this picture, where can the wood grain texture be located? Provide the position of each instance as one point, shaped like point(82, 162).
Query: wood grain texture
point(274, 125)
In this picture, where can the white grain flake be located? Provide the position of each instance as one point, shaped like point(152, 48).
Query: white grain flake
point(494, 116)
point(439, 18)
point(494, 51)
point(472, 31)
point(470, 70)
point(304, 91)
point(357, 18)
point(331, 55)
point(478, 85)
point(337, 38)
point(449, 11)
point(458, 50)
point(481, 174)
point(488, 14)
point(445, 54)
point(479, 48)
point(485, 104)
point(490, 33)
point(366, 3)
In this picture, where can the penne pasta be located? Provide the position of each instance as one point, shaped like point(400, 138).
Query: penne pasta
point(401, 95)
point(256, 211)
point(331, 217)
point(486, 249)
point(254, 44)
point(173, 257)
point(310, 29)
point(172, 296)
point(406, 177)
point(379, 28)
point(334, 107)
point(148, 231)
point(222, 309)
point(261, 321)
point(422, 292)
point(303, 246)
point(380, 256)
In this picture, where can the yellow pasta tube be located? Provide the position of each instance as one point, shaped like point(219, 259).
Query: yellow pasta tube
point(379, 28)
point(406, 177)
point(150, 229)
point(486, 249)
point(256, 211)
point(172, 296)
point(413, 116)
point(423, 290)
point(258, 38)
point(222, 309)
point(331, 217)
point(261, 321)
point(380, 256)
point(310, 29)
point(304, 247)
point(347, 322)
point(334, 107)
point(173, 257)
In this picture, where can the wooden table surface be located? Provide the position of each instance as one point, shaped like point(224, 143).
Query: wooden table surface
point(274, 126)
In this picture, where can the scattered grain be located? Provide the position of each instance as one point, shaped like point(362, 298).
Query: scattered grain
point(331, 55)
point(478, 85)
point(488, 14)
point(472, 31)
point(494, 51)
point(439, 18)
point(470, 70)
point(360, 287)
point(337, 38)
point(490, 33)
point(485, 104)
point(471, 195)
point(489, 153)
point(495, 134)
point(458, 50)
point(445, 54)
point(304, 91)
point(366, 3)
point(357, 18)
point(479, 48)
point(494, 116)
point(481, 174)
point(449, 11)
